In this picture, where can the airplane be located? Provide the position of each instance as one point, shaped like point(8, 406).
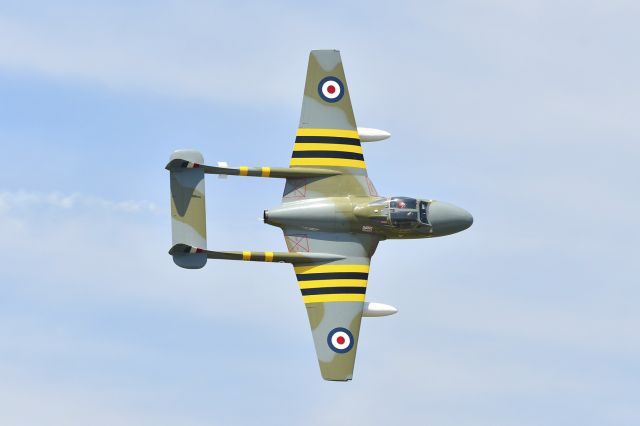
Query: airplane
point(331, 215)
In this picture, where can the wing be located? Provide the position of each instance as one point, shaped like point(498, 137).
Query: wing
point(334, 294)
point(327, 135)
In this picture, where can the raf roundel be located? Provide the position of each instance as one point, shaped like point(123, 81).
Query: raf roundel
point(331, 89)
point(340, 340)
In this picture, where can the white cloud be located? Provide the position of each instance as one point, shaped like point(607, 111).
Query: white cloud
point(89, 261)
point(71, 236)
point(543, 280)
point(509, 72)
point(11, 200)
point(28, 401)
point(183, 50)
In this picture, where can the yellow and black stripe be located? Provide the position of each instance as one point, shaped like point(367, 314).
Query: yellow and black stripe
point(332, 283)
point(258, 256)
point(327, 147)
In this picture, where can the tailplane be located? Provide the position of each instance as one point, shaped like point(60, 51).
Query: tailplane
point(188, 218)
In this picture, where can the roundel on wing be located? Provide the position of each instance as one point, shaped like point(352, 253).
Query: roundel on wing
point(331, 89)
point(340, 340)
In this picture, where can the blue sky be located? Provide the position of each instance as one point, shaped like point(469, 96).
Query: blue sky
point(524, 113)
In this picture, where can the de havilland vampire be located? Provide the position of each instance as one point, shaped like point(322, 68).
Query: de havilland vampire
point(331, 215)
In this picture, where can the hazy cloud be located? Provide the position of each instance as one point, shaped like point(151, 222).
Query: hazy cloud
point(523, 113)
point(34, 200)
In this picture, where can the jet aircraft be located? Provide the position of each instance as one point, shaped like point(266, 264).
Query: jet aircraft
point(331, 215)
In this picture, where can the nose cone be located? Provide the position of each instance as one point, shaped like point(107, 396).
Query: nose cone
point(448, 219)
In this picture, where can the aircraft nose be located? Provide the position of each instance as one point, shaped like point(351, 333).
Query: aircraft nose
point(448, 219)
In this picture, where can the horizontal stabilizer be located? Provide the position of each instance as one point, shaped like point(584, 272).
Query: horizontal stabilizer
point(188, 223)
point(184, 250)
point(270, 172)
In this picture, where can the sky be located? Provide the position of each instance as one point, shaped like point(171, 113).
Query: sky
point(524, 113)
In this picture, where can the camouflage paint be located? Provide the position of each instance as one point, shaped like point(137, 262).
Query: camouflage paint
point(188, 216)
point(331, 215)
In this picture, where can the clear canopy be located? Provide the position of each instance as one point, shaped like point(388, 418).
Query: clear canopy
point(403, 212)
point(402, 203)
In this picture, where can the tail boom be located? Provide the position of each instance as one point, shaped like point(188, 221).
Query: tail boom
point(185, 250)
point(269, 172)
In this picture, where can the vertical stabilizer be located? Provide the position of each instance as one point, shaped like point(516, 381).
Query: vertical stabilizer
point(188, 218)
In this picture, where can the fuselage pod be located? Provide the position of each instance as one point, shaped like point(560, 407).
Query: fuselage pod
point(389, 218)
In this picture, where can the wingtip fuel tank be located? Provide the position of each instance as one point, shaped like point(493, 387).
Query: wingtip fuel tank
point(368, 134)
point(372, 309)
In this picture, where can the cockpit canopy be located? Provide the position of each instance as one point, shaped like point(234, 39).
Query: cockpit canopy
point(405, 212)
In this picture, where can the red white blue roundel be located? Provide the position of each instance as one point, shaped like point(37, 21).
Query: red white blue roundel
point(331, 89)
point(340, 340)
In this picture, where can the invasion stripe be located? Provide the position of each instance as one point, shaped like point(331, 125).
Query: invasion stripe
point(328, 139)
point(333, 290)
point(327, 154)
point(332, 283)
point(314, 269)
point(330, 162)
point(328, 132)
point(333, 276)
point(324, 298)
point(326, 147)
